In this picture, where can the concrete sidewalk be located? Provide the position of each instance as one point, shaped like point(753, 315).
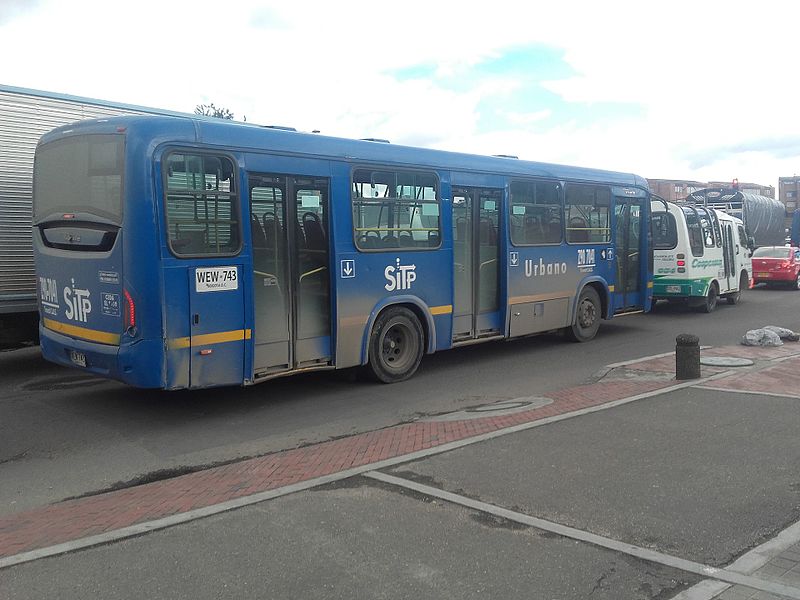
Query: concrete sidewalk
point(97, 519)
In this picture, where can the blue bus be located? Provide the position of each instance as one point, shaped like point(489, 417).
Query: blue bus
point(191, 252)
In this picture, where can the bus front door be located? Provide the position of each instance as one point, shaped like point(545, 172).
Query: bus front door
point(729, 257)
point(476, 306)
point(291, 277)
point(630, 237)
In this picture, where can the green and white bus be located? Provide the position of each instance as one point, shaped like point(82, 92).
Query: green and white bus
point(700, 255)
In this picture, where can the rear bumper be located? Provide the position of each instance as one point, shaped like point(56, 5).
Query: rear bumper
point(767, 276)
point(138, 364)
point(680, 288)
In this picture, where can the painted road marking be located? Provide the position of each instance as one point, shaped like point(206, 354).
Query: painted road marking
point(725, 575)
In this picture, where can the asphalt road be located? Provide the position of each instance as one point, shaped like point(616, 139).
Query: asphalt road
point(63, 435)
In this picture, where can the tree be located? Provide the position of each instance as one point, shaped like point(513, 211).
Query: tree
point(209, 110)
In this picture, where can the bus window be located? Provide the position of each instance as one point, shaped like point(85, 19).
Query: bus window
point(80, 174)
point(665, 231)
point(201, 205)
point(587, 209)
point(535, 213)
point(706, 224)
point(694, 229)
point(395, 210)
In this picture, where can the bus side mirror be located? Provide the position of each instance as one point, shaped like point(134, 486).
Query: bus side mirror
point(751, 243)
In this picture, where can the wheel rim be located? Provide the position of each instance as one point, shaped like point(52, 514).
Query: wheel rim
point(397, 349)
point(587, 314)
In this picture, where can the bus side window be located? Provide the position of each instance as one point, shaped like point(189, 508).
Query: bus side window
point(536, 213)
point(395, 209)
point(588, 213)
point(201, 205)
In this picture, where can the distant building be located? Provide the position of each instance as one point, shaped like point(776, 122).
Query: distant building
point(789, 192)
point(673, 190)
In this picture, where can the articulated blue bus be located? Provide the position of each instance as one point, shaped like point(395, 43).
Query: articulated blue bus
point(188, 252)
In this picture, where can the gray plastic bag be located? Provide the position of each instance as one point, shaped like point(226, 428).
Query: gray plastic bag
point(783, 333)
point(761, 337)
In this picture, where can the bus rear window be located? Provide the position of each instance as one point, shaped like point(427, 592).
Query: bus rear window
point(773, 252)
point(81, 174)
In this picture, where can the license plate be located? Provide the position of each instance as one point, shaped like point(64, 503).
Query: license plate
point(673, 289)
point(762, 275)
point(79, 358)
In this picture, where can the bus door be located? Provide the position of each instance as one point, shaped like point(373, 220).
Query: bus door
point(729, 256)
point(476, 239)
point(204, 233)
point(291, 277)
point(630, 240)
point(216, 301)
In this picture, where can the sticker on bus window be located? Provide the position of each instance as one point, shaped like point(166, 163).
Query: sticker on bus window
point(518, 210)
point(489, 205)
point(430, 210)
point(309, 201)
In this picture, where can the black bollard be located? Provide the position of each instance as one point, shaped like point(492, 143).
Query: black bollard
point(687, 356)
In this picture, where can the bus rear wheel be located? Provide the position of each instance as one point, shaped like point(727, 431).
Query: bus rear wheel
point(587, 317)
point(734, 297)
point(395, 345)
point(710, 302)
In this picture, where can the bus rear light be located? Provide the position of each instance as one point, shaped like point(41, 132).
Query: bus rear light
point(681, 263)
point(68, 216)
point(681, 269)
point(130, 310)
point(681, 256)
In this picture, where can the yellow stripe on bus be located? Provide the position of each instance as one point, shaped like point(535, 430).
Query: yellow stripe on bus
point(441, 310)
point(102, 337)
point(539, 297)
point(237, 335)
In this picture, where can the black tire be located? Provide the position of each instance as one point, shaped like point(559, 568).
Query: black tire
point(712, 297)
point(396, 345)
point(587, 316)
point(796, 285)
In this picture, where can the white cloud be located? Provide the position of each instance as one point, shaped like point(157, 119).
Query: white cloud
point(705, 78)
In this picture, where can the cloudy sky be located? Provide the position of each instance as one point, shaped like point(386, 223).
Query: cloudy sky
point(700, 90)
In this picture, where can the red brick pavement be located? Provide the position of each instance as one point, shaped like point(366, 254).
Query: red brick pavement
point(76, 519)
point(783, 379)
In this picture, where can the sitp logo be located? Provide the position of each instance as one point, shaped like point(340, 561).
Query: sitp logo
point(78, 305)
point(399, 277)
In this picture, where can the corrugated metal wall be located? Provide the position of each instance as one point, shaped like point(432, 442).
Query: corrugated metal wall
point(23, 119)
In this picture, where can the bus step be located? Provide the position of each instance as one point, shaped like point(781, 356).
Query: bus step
point(480, 340)
point(624, 312)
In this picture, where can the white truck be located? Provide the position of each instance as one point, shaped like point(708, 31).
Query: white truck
point(24, 116)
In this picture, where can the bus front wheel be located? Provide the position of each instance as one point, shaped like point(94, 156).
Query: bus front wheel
point(587, 317)
point(395, 345)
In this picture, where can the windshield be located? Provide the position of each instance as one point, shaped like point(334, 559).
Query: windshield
point(79, 174)
point(772, 252)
